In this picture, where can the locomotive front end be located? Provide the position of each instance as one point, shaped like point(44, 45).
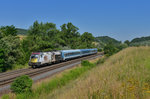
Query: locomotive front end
point(34, 60)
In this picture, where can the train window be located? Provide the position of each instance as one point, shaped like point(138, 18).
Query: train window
point(84, 52)
point(71, 54)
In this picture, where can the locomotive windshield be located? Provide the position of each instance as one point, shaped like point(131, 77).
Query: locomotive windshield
point(34, 56)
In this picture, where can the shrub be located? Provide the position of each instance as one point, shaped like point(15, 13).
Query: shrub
point(101, 61)
point(100, 49)
point(22, 84)
point(110, 49)
point(86, 63)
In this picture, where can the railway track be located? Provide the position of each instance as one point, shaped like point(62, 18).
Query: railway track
point(5, 74)
point(8, 77)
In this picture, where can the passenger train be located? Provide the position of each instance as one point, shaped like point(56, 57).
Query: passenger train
point(38, 59)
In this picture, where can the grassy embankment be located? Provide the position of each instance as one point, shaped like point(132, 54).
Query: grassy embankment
point(125, 75)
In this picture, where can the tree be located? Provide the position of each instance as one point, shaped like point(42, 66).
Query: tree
point(41, 29)
point(35, 29)
point(41, 37)
point(11, 47)
point(127, 42)
point(2, 60)
point(121, 46)
point(87, 39)
point(8, 30)
point(110, 49)
point(70, 34)
point(0, 34)
point(70, 29)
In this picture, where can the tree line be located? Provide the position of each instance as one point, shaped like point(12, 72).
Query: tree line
point(40, 37)
point(142, 41)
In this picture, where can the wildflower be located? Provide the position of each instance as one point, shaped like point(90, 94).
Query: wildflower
point(148, 91)
point(131, 88)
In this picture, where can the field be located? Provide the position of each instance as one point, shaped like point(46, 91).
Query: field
point(125, 75)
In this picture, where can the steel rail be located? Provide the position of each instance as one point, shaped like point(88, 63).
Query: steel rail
point(5, 74)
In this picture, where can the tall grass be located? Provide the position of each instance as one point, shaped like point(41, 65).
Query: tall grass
point(125, 75)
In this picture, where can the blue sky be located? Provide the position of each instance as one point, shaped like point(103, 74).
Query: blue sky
point(120, 19)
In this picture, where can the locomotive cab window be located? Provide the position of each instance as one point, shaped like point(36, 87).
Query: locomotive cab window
point(34, 56)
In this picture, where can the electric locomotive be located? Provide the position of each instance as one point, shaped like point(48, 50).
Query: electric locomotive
point(38, 59)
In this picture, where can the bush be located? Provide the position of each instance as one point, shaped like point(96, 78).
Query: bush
point(86, 63)
point(22, 84)
point(101, 61)
point(100, 49)
point(110, 49)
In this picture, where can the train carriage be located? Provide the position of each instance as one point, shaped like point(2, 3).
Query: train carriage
point(69, 54)
point(85, 52)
